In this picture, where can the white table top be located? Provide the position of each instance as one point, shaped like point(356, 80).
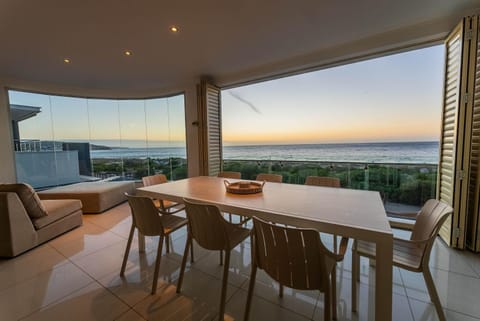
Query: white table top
point(353, 213)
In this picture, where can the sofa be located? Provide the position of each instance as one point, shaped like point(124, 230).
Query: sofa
point(26, 221)
point(96, 197)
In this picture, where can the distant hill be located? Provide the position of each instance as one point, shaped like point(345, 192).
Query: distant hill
point(102, 147)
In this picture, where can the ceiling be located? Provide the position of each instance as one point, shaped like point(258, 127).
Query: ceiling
point(230, 41)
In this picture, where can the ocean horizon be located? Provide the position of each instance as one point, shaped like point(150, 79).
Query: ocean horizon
point(425, 152)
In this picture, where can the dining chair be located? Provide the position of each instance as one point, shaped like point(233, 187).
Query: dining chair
point(274, 178)
point(207, 226)
point(146, 219)
point(164, 206)
point(296, 258)
point(236, 175)
point(411, 255)
point(324, 181)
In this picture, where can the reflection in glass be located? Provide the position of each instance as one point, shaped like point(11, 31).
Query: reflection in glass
point(62, 140)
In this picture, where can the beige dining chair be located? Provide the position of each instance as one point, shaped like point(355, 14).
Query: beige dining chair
point(273, 178)
point(296, 258)
point(146, 219)
point(207, 226)
point(164, 206)
point(236, 175)
point(413, 254)
point(324, 181)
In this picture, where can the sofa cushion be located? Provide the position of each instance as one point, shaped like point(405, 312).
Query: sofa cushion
point(56, 209)
point(29, 198)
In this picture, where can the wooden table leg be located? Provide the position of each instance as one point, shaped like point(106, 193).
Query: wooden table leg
point(383, 279)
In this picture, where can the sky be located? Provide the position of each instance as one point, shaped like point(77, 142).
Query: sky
point(392, 98)
point(118, 123)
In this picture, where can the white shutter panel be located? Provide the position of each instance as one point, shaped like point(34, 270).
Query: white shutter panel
point(214, 125)
point(210, 128)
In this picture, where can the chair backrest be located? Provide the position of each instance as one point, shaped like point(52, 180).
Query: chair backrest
point(294, 257)
point(230, 175)
point(206, 225)
point(428, 223)
point(145, 216)
point(323, 181)
point(274, 178)
point(154, 179)
point(429, 220)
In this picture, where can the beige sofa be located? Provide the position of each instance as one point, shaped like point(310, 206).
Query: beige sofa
point(26, 221)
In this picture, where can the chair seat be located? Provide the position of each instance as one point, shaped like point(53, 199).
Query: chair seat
point(405, 254)
point(166, 204)
point(237, 235)
point(172, 223)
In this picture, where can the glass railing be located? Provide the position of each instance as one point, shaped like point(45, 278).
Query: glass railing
point(400, 184)
point(45, 164)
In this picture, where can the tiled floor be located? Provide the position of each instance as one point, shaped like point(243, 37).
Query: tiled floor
point(76, 277)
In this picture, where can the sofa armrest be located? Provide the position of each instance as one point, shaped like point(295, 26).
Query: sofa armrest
point(17, 233)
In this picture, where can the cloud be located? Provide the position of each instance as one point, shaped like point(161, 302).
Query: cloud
point(243, 100)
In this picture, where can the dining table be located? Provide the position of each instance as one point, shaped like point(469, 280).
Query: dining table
point(356, 214)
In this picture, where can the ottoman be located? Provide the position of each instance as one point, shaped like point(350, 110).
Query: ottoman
point(96, 197)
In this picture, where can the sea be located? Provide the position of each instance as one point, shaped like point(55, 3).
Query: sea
point(388, 152)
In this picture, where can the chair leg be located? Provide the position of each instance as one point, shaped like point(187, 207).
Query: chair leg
point(280, 290)
point(127, 250)
point(433, 293)
point(224, 286)
point(157, 264)
point(191, 252)
point(251, 286)
point(327, 302)
point(355, 278)
point(355, 272)
point(167, 244)
point(184, 263)
point(334, 293)
point(335, 244)
point(221, 257)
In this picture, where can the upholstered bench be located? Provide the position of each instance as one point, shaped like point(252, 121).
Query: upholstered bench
point(96, 197)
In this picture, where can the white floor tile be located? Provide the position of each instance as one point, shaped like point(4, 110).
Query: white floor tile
point(29, 296)
point(92, 302)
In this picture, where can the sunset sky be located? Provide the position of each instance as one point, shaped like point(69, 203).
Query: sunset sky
point(393, 98)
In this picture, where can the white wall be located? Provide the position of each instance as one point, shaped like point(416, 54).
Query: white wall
point(7, 158)
point(191, 115)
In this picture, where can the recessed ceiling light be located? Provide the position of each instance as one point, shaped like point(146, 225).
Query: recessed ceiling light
point(174, 29)
point(67, 60)
point(128, 53)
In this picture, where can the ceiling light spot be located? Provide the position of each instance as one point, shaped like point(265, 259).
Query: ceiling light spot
point(174, 29)
point(128, 53)
point(67, 60)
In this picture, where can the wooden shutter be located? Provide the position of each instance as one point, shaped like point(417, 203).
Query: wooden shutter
point(473, 221)
point(458, 166)
point(210, 128)
point(448, 140)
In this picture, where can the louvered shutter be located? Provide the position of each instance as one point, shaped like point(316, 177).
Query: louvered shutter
point(473, 221)
point(448, 141)
point(210, 128)
point(458, 178)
